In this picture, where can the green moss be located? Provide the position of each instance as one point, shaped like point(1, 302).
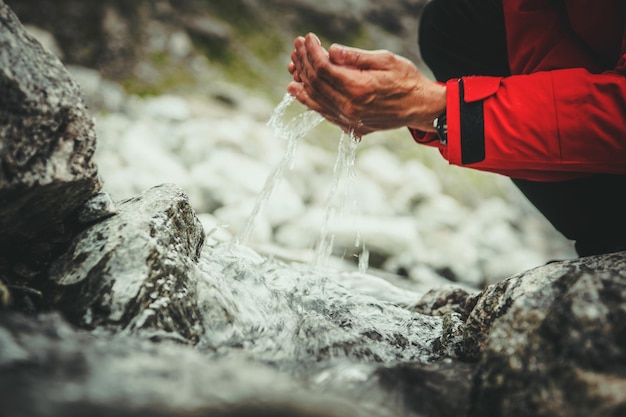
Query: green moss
point(249, 58)
point(160, 60)
point(234, 12)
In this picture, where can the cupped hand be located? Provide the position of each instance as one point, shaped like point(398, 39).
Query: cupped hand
point(363, 91)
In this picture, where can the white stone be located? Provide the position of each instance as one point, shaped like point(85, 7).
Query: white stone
point(179, 45)
point(382, 165)
point(382, 235)
point(167, 107)
point(46, 39)
point(215, 230)
point(236, 217)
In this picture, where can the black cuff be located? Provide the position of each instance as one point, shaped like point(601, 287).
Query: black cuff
point(472, 129)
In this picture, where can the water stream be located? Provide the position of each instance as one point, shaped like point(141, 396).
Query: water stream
point(342, 199)
point(291, 131)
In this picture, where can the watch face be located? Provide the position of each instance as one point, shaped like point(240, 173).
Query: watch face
point(441, 125)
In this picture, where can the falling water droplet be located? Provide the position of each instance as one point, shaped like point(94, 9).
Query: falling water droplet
point(292, 131)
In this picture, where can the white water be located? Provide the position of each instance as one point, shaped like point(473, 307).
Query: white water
point(291, 131)
point(342, 198)
point(293, 317)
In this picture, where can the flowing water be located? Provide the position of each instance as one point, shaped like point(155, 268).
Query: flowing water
point(300, 318)
point(309, 322)
point(342, 199)
point(292, 132)
point(297, 318)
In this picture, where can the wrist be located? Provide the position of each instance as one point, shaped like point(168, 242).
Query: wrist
point(430, 107)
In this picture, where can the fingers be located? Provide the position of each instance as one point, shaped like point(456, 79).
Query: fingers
point(316, 74)
point(330, 89)
point(317, 64)
point(299, 92)
point(311, 63)
point(291, 67)
point(357, 129)
point(359, 58)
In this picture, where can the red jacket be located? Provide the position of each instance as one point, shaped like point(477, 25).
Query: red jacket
point(562, 114)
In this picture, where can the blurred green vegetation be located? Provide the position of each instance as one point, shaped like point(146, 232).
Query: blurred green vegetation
point(255, 55)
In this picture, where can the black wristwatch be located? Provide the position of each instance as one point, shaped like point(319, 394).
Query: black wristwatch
point(441, 125)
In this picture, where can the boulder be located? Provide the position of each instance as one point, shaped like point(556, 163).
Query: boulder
point(134, 271)
point(548, 342)
point(47, 139)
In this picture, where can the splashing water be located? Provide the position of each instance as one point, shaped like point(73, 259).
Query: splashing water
point(293, 317)
point(344, 168)
point(292, 131)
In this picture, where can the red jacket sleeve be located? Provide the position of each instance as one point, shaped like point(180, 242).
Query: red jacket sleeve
point(561, 117)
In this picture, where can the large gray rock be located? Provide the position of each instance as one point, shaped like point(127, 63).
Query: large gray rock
point(47, 139)
point(551, 341)
point(134, 270)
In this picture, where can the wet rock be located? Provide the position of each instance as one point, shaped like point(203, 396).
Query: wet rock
point(134, 271)
point(443, 300)
point(47, 139)
point(98, 207)
point(439, 389)
point(453, 303)
point(48, 369)
point(552, 341)
point(496, 300)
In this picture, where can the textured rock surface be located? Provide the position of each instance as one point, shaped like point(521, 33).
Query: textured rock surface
point(48, 369)
point(552, 342)
point(47, 139)
point(134, 270)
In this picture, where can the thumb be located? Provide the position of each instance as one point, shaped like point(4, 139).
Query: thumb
point(359, 58)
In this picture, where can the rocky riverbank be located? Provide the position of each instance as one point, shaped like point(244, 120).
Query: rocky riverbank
point(124, 290)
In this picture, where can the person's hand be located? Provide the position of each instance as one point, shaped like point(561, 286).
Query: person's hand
point(363, 91)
